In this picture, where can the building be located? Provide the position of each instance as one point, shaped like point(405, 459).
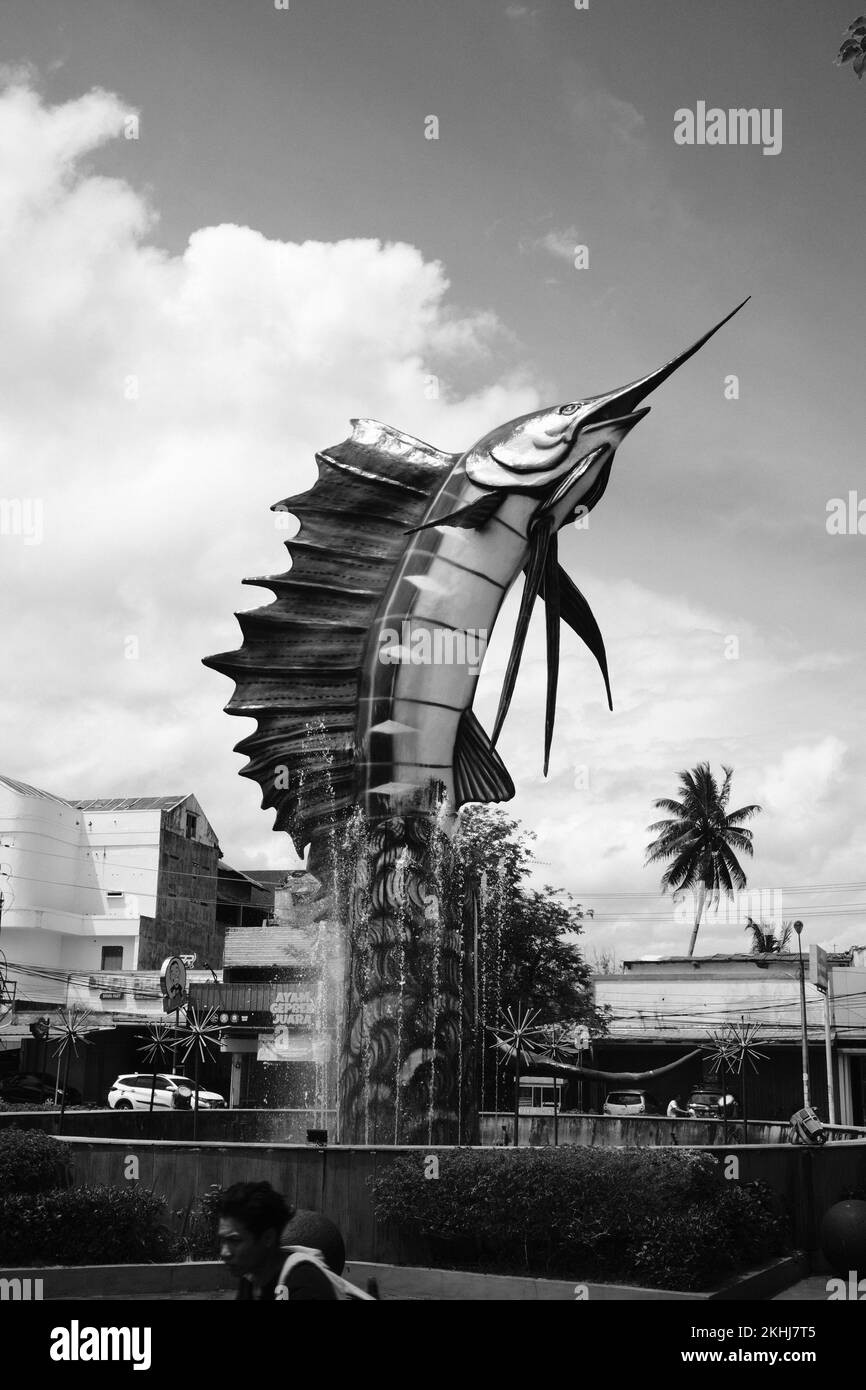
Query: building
point(279, 1000)
point(94, 894)
point(660, 1010)
point(107, 884)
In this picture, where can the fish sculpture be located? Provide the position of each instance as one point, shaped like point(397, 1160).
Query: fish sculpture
point(361, 673)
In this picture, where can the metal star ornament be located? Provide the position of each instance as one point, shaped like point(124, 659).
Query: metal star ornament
point(513, 1032)
point(160, 1044)
point(733, 1046)
point(72, 1025)
point(557, 1044)
point(202, 1034)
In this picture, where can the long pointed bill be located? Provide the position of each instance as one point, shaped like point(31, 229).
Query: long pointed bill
point(627, 398)
point(551, 608)
point(540, 538)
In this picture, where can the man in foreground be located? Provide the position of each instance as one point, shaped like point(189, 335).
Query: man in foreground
point(252, 1216)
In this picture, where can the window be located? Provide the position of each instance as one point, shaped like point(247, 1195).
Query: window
point(191, 825)
point(112, 958)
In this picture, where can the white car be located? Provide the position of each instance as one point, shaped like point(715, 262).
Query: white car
point(171, 1092)
point(629, 1102)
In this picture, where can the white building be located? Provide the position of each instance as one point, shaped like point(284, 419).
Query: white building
point(104, 885)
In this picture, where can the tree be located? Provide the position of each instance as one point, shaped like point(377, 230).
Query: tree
point(700, 838)
point(853, 49)
point(527, 951)
point(768, 940)
point(539, 962)
point(604, 962)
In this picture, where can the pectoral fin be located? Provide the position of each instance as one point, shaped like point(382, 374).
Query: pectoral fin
point(575, 610)
point(470, 518)
point(539, 539)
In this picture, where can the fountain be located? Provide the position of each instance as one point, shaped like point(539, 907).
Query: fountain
point(361, 676)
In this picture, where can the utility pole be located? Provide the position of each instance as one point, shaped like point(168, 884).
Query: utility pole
point(828, 1052)
point(798, 928)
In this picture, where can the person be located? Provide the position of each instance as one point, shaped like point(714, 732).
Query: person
point(252, 1216)
point(676, 1110)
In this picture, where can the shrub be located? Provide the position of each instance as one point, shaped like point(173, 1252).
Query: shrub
point(200, 1232)
point(654, 1216)
point(84, 1225)
point(31, 1161)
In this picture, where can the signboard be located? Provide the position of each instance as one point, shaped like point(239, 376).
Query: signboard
point(172, 982)
point(293, 1008)
point(190, 960)
point(818, 971)
point(288, 1047)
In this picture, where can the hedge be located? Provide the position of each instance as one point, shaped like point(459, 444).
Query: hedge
point(32, 1161)
point(85, 1225)
point(658, 1217)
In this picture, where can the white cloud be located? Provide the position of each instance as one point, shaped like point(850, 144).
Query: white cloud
point(560, 244)
point(158, 405)
point(803, 777)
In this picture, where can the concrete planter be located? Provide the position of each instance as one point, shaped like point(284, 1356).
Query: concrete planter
point(395, 1282)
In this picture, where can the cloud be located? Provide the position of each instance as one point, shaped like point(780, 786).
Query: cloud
point(560, 244)
point(156, 406)
point(678, 700)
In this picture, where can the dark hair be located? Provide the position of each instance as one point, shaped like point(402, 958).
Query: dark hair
point(257, 1205)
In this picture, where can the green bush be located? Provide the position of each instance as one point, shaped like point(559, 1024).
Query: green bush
point(199, 1236)
point(31, 1161)
point(660, 1217)
point(84, 1225)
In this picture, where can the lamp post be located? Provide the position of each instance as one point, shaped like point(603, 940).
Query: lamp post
point(798, 928)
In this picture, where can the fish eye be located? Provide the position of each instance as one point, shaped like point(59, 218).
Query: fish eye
point(570, 409)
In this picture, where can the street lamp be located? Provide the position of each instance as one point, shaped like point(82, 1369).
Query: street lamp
point(798, 928)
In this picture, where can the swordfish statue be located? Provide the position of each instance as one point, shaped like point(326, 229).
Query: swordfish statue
point(361, 676)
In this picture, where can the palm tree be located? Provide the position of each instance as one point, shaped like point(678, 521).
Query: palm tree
point(700, 840)
point(767, 940)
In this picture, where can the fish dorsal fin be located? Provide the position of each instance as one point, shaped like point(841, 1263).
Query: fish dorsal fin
point(299, 669)
point(479, 772)
point(396, 445)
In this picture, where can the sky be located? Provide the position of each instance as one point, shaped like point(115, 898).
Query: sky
point(224, 234)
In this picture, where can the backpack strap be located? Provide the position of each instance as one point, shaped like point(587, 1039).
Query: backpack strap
point(299, 1254)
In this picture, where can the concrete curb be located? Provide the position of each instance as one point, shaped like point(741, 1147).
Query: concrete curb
point(764, 1283)
point(111, 1281)
point(402, 1281)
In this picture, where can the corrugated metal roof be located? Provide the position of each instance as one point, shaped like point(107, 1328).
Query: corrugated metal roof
point(224, 868)
point(24, 789)
point(128, 803)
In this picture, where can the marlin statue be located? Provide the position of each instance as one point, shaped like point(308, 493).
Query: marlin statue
point(401, 564)
point(361, 677)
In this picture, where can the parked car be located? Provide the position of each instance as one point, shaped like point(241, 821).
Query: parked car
point(35, 1087)
point(170, 1092)
point(706, 1104)
point(630, 1102)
